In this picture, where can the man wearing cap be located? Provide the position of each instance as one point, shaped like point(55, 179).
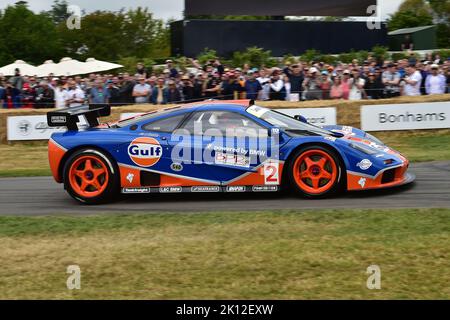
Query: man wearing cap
point(312, 85)
point(252, 86)
point(435, 82)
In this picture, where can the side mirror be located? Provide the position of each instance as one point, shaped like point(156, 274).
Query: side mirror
point(301, 118)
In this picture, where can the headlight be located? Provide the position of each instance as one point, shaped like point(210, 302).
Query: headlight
point(364, 148)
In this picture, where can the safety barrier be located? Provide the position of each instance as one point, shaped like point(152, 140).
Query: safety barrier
point(347, 113)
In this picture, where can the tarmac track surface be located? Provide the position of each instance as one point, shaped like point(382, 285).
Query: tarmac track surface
point(42, 196)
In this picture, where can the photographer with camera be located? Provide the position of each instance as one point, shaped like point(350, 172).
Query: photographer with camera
point(311, 85)
point(277, 89)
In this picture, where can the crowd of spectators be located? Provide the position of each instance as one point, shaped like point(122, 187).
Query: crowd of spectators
point(293, 82)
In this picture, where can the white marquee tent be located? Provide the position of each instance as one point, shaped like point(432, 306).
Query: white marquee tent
point(100, 66)
point(71, 67)
point(66, 67)
point(25, 69)
point(48, 67)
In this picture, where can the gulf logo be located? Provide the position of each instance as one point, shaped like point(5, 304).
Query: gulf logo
point(145, 152)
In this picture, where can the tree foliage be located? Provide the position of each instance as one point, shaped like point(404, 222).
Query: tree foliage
point(412, 13)
point(104, 35)
point(27, 36)
point(417, 13)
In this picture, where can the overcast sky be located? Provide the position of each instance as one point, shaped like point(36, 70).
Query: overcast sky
point(164, 9)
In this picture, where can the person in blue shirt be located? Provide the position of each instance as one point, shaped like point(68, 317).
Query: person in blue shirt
point(98, 94)
point(252, 86)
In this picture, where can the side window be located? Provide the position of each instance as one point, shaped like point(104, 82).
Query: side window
point(224, 121)
point(164, 125)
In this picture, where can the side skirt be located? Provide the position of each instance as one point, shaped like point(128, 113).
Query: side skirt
point(201, 189)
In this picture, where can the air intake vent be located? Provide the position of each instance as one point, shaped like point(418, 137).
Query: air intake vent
point(388, 176)
point(150, 179)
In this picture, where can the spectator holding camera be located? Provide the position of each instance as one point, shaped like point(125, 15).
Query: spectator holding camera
point(277, 90)
point(357, 86)
point(311, 85)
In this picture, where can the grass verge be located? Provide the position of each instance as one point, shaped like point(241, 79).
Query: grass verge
point(30, 159)
point(279, 255)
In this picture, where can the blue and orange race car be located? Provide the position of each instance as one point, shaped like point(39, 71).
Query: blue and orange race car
point(215, 146)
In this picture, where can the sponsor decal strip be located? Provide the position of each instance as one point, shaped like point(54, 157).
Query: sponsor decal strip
point(200, 189)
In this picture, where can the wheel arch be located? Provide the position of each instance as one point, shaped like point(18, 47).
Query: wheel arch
point(70, 152)
point(316, 144)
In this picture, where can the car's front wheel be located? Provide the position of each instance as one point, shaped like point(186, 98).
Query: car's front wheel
point(91, 177)
point(315, 172)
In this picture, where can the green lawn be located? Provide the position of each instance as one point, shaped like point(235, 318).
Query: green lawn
point(278, 255)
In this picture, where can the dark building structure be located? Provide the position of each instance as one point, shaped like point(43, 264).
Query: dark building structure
point(190, 37)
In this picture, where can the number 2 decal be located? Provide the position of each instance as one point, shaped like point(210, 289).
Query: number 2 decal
point(271, 174)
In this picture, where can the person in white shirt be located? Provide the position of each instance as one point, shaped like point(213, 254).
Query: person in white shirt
point(435, 83)
point(412, 81)
point(75, 95)
point(357, 86)
point(61, 95)
point(265, 83)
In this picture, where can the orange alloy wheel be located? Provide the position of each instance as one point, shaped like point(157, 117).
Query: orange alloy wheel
point(315, 171)
point(88, 176)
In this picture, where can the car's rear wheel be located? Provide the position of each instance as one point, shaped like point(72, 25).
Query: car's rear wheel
point(315, 172)
point(91, 177)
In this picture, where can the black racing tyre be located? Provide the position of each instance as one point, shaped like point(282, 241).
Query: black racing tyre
point(91, 177)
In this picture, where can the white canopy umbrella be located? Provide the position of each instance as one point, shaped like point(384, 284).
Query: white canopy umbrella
point(47, 68)
point(99, 66)
point(25, 69)
point(71, 67)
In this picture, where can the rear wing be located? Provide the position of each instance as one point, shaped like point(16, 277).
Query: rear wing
point(69, 117)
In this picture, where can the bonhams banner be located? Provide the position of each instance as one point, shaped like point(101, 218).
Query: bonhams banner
point(412, 116)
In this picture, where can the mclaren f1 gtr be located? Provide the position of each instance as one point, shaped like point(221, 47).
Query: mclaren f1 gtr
point(215, 146)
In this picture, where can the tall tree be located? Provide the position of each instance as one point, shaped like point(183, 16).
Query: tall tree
point(26, 35)
point(412, 13)
point(59, 13)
